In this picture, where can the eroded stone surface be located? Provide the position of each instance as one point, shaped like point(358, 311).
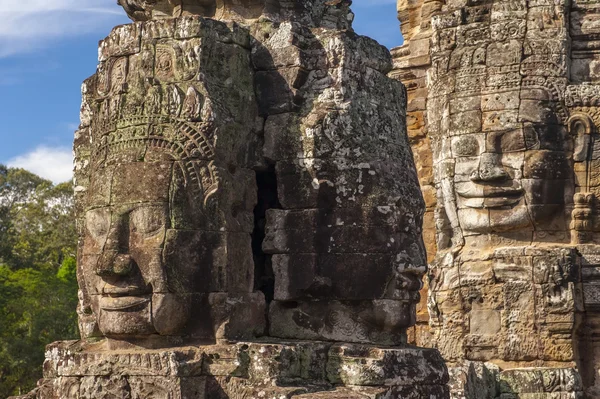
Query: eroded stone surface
point(307, 12)
point(203, 179)
point(243, 173)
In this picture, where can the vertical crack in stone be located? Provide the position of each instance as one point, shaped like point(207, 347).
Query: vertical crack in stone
point(266, 181)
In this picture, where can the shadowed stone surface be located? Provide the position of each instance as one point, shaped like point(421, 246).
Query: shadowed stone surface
point(502, 117)
point(249, 212)
point(170, 156)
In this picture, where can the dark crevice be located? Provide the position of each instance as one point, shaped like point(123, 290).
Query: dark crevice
point(264, 280)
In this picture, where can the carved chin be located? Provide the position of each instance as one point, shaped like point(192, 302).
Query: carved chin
point(165, 314)
point(134, 321)
point(494, 220)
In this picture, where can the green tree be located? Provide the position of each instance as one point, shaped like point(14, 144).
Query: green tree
point(38, 287)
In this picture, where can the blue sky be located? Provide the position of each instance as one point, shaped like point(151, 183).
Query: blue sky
point(48, 47)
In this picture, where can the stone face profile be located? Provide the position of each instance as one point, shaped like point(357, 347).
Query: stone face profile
point(169, 194)
point(504, 143)
point(249, 212)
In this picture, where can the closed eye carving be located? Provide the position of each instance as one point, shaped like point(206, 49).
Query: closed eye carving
point(98, 223)
point(148, 220)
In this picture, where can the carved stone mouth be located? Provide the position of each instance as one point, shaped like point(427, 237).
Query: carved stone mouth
point(491, 192)
point(503, 192)
point(109, 290)
point(123, 287)
point(492, 197)
point(502, 201)
point(121, 303)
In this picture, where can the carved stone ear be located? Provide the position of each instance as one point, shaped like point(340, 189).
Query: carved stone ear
point(581, 127)
point(580, 123)
point(88, 326)
point(444, 231)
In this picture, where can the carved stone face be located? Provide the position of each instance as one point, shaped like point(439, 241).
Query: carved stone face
point(510, 179)
point(135, 285)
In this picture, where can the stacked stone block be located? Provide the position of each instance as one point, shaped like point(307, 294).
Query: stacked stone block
point(249, 212)
point(509, 109)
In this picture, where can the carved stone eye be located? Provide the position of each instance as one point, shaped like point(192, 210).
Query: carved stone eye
point(531, 139)
point(512, 141)
point(97, 223)
point(148, 220)
point(509, 141)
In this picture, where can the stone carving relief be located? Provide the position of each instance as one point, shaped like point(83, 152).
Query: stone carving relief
point(582, 130)
point(311, 13)
point(508, 98)
point(156, 184)
point(245, 179)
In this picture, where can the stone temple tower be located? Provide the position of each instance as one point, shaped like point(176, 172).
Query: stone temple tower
point(248, 210)
point(502, 115)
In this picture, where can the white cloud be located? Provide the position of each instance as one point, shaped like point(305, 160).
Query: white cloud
point(31, 24)
point(52, 163)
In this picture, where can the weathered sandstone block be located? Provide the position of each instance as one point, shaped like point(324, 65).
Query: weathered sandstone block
point(505, 100)
point(249, 213)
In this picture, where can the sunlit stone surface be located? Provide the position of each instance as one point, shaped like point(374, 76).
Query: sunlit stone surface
point(502, 117)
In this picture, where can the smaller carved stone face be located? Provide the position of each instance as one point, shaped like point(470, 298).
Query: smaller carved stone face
point(135, 286)
point(508, 180)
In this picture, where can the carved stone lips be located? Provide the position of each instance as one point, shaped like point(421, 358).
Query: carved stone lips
point(122, 298)
point(490, 196)
point(120, 303)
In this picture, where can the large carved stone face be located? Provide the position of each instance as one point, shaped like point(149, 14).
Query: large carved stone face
point(165, 213)
point(137, 284)
point(495, 111)
point(512, 179)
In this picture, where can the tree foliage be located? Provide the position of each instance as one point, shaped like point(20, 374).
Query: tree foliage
point(38, 287)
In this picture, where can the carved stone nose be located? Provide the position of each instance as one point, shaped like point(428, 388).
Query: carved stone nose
point(115, 259)
point(114, 264)
point(490, 169)
point(122, 265)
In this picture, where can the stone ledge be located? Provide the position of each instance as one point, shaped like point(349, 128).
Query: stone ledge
point(265, 369)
